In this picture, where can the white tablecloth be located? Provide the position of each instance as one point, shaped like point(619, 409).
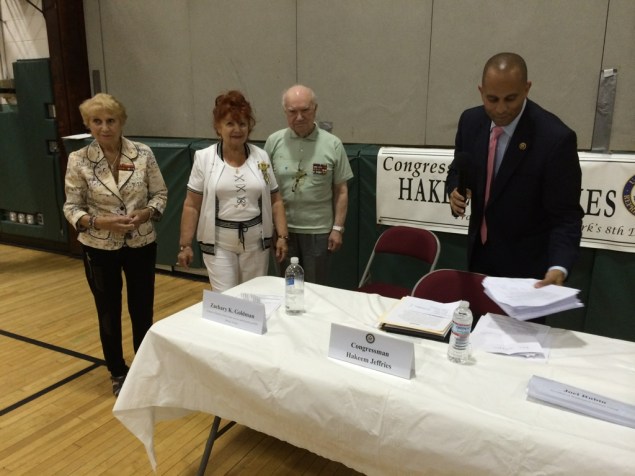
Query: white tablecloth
point(449, 419)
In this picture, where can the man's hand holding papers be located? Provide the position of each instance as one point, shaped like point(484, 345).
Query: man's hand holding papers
point(520, 299)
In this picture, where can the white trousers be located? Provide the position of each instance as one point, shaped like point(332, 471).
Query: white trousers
point(231, 265)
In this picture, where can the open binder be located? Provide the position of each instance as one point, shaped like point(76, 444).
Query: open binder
point(420, 318)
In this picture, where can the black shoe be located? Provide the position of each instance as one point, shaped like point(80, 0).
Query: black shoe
point(117, 383)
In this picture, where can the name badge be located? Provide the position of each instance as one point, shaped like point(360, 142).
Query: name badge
point(581, 401)
point(126, 167)
point(372, 350)
point(234, 312)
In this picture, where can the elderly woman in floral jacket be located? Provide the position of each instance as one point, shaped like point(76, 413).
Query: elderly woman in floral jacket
point(114, 194)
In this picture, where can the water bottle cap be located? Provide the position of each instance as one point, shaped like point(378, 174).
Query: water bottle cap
point(295, 260)
point(464, 305)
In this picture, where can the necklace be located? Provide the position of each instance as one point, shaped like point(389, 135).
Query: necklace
point(114, 167)
point(115, 163)
point(299, 178)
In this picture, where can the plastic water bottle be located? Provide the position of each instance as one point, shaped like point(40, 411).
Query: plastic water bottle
point(294, 290)
point(459, 348)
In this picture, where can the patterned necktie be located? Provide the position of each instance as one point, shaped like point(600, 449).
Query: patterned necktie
point(491, 159)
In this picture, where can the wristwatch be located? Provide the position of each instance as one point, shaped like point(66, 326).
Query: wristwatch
point(338, 228)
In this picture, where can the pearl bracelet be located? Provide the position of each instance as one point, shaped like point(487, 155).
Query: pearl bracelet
point(91, 222)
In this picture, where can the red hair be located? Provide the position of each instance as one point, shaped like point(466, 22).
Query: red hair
point(234, 103)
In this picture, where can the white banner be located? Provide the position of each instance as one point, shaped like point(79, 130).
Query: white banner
point(411, 191)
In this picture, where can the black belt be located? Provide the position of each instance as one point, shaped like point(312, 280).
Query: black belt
point(241, 226)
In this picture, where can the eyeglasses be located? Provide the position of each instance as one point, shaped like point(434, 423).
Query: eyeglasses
point(299, 180)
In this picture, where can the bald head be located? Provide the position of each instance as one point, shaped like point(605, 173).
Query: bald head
point(299, 104)
point(298, 91)
point(505, 63)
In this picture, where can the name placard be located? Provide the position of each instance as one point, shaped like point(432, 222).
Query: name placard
point(581, 401)
point(372, 350)
point(234, 312)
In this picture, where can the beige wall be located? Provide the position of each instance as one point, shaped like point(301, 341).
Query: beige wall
point(386, 72)
point(23, 34)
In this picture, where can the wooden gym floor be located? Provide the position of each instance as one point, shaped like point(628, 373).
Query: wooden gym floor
point(55, 393)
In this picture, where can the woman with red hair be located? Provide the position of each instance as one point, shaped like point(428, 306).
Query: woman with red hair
point(233, 201)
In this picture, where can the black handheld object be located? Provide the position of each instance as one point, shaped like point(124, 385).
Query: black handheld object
point(461, 161)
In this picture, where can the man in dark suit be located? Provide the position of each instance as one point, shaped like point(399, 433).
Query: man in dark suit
point(527, 221)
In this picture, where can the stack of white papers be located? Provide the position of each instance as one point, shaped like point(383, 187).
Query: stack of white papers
point(581, 401)
point(501, 335)
point(520, 299)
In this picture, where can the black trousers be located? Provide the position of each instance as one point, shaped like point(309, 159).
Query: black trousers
point(104, 274)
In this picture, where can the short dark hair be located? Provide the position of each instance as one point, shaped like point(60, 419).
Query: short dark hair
point(506, 61)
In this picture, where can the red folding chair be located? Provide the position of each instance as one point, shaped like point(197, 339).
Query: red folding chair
point(449, 285)
point(417, 243)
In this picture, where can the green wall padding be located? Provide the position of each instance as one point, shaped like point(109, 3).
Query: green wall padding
point(29, 173)
point(344, 263)
point(173, 157)
point(611, 302)
point(369, 231)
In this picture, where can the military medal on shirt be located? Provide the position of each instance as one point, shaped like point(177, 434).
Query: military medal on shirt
point(264, 167)
point(320, 169)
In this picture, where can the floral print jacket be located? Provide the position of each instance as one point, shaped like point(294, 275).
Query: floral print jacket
point(91, 189)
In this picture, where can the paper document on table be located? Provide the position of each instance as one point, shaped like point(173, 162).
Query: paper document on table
point(501, 335)
point(271, 301)
point(520, 299)
point(581, 401)
point(421, 315)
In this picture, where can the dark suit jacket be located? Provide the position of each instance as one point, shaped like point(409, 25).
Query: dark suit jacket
point(534, 217)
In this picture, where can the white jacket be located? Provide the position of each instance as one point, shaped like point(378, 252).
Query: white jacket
point(204, 177)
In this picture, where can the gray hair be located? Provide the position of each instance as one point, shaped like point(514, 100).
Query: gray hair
point(311, 92)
